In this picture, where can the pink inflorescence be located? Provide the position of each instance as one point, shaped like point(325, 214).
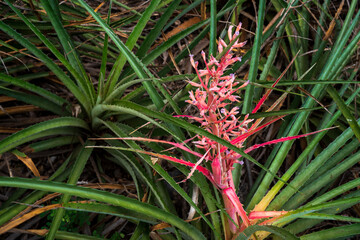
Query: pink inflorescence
point(213, 97)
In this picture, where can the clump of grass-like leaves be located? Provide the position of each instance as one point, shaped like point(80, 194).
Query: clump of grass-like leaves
point(77, 70)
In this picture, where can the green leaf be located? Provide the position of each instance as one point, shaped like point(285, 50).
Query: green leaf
point(342, 189)
point(281, 112)
point(104, 58)
point(53, 143)
point(334, 233)
point(213, 23)
point(302, 224)
point(156, 31)
point(81, 97)
point(303, 156)
point(69, 48)
point(137, 166)
point(283, 234)
point(300, 118)
point(77, 170)
point(301, 212)
point(9, 211)
point(310, 170)
point(139, 68)
point(310, 189)
point(130, 43)
point(106, 197)
point(109, 210)
point(74, 236)
point(345, 111)
point(324, 216)
point(254, 58)
point(41, 130)
point(35, 89)
point(36, 100)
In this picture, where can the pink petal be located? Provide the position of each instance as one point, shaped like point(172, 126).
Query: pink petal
point(230, 32)
point(238, 27)
point(194, 84)
point(239, 45)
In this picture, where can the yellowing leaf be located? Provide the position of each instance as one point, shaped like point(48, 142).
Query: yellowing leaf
point(27, 161)
point(26, 217)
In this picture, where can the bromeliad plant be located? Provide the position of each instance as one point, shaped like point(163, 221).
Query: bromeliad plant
point(105, 108)
point(214, 97)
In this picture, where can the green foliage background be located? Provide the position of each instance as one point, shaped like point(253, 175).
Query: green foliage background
point(48, 50)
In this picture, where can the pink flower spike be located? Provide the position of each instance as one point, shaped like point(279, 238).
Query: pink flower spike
point(233, 98)
point(237, 33)
point(192, 97)
point(242, 86)
point(188, 116)
point(206, 64)
point(245, 84)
